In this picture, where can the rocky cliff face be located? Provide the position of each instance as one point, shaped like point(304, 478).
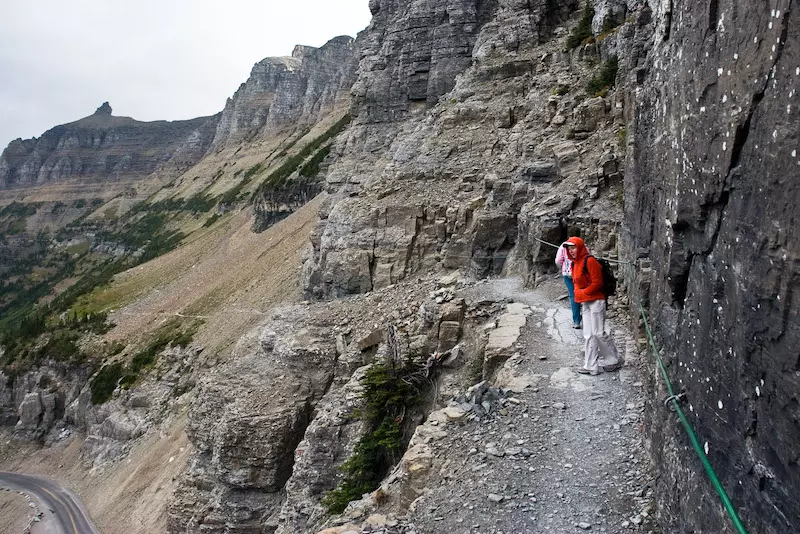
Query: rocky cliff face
point(104, 148)
point(711, 196)
point(447, 186)
point(296, 91)
point(279, 408)
point(501, 162)
point(52, 401)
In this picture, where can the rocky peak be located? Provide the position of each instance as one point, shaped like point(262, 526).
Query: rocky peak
point(104, 109)
point(286, 92)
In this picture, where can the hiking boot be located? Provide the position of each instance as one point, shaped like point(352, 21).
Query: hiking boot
point(611, 368)
point(576, 326)
point(585, 371)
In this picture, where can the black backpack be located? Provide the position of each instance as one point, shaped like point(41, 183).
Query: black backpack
point(609, 280)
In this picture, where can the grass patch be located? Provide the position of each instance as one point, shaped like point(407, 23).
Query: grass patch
point(561, 89)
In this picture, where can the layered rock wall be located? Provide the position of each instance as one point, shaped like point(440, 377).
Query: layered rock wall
point(413, 187)
point(283, 92)
point(249, 416)
point(105, 148)
point(711, 199)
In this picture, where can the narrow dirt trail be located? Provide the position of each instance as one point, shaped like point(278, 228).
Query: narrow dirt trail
point(565, 456)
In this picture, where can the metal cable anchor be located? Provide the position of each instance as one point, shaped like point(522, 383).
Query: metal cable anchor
point(677, 398)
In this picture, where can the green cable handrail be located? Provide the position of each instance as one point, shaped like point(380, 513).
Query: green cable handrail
point(723, 495)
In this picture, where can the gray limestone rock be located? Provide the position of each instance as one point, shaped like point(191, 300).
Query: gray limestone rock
point(289, 92)
point(37, 400)
point(250, 415)
point(103, 147)
point(30, 412)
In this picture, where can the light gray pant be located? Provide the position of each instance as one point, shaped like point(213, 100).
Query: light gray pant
point(599, 348)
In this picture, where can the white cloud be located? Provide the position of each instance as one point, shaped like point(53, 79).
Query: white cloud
point(152, 60)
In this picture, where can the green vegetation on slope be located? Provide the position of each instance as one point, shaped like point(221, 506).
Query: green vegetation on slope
point(278, 196)
point(388, 396)
point(30, 330)
point(51, 277)
point(583, 31)
point(605, 79)
point(174, 333)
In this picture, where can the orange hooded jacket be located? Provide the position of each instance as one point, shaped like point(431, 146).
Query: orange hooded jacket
point(588, 285)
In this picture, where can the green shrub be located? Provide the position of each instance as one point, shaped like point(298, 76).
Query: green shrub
point(388, 395)
point(15, 227)
point(143, 359)
point(211, 220)
point(20, 209)
point(583, 30)
point(599, 84)
point(105, 382)
point(173, 332)
point(561, 89)
point(62, 347)
point(252, 171)
point(610, 23)
point(199, 203)
point(311, 168)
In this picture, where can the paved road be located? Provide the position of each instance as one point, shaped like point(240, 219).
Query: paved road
point(60, 507)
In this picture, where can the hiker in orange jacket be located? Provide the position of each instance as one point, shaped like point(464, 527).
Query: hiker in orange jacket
point(601, 353)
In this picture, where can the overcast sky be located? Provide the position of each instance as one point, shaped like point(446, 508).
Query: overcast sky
point(150, 59)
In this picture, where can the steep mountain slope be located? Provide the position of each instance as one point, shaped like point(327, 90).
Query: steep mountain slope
point(144, 427)
point(455, 161)
point(452, 163)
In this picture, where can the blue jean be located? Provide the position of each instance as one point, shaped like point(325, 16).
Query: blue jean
point(576, 308)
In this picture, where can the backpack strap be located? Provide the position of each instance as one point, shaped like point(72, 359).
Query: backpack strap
point(586, 270)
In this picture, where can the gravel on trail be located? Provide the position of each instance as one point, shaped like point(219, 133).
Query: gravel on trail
point(566, 456)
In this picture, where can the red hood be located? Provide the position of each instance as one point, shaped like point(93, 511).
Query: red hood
point(580, 247)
